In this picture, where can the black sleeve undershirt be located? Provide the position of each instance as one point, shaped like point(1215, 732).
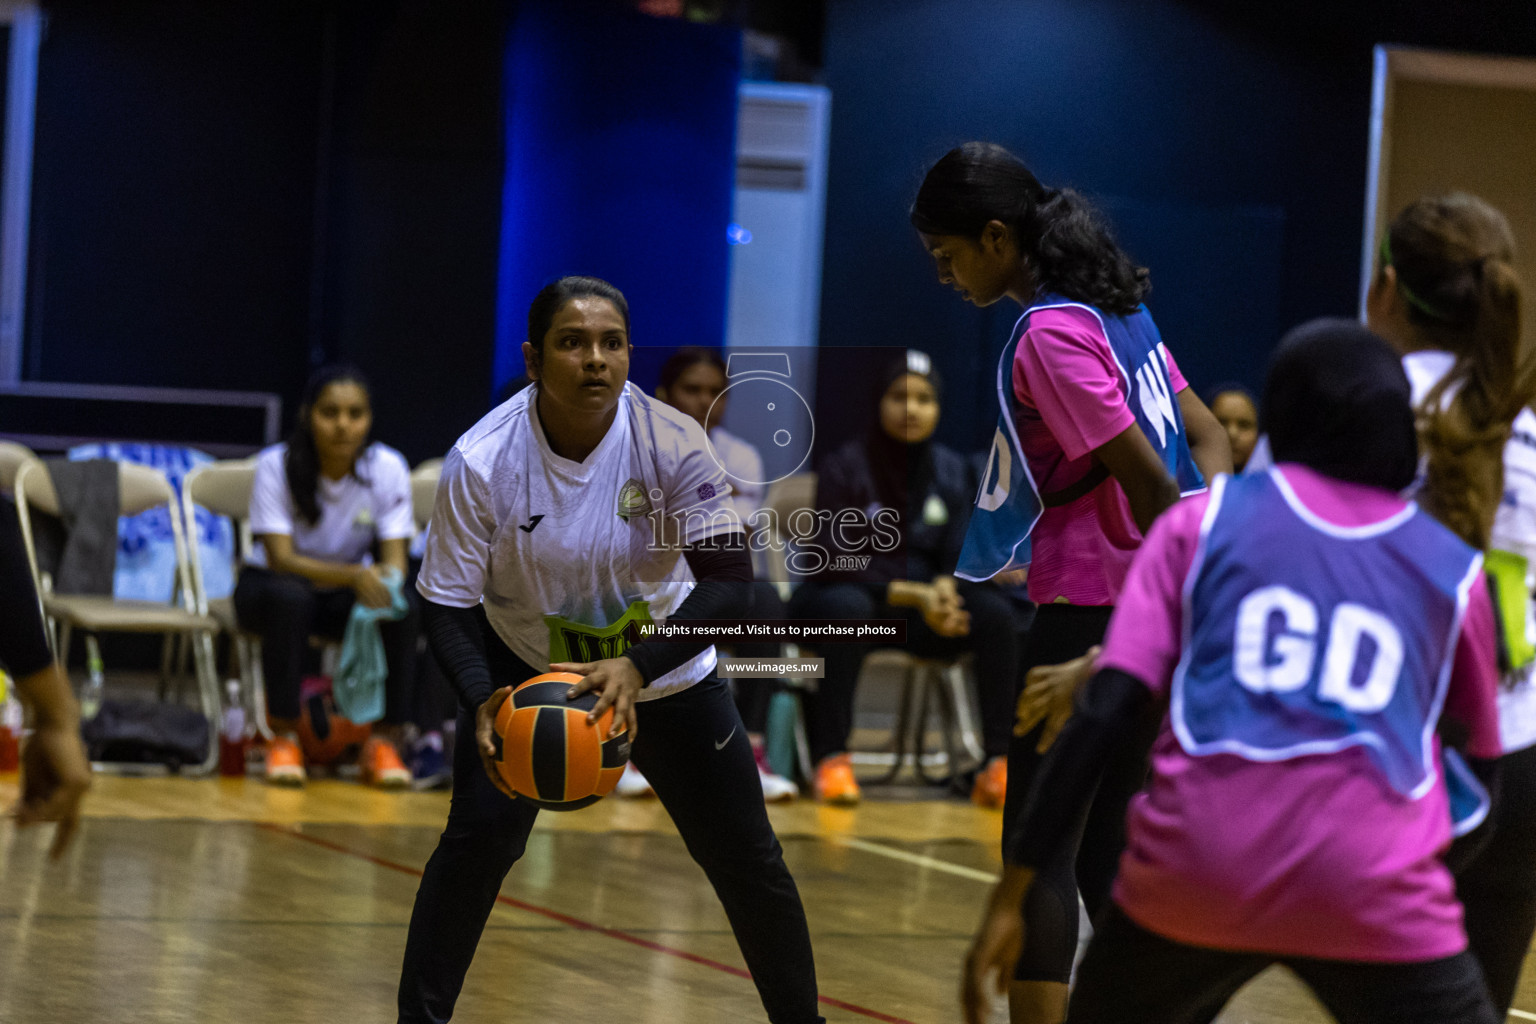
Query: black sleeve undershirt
point(23, 645)
point(1107, 711)
point(458, 643)
point(723, 591)
point(723, 571)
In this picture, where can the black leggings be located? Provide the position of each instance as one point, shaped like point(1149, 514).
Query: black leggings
point(1498, 889)
point(694, 752)
point(286, 610)
point(993, 639)
point(1133, 976)
point(1060, 633)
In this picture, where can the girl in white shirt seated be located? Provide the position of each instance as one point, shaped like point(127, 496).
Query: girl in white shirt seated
point(322, 504)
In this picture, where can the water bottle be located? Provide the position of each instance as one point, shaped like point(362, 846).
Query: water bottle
point(90, 695)
point(10, 732)
point(232, 733)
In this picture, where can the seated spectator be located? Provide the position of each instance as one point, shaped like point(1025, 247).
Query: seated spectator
point(898, 467)
point(693, 381)
point(1238, 414)
point(322, 504)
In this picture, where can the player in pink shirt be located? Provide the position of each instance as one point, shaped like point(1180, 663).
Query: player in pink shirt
point(1311, 635)
point(1098, 434)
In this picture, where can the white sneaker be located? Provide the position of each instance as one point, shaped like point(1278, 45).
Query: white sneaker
point(776, 788)
point(632, 784)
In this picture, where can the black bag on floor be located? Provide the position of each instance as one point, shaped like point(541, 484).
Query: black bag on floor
point(146, 732)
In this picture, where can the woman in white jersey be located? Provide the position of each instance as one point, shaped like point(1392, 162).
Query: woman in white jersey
point(1447, 297)
point(331, 513)
point(568, 515)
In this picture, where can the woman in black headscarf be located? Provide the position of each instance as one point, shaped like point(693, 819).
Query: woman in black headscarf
point(910, 498)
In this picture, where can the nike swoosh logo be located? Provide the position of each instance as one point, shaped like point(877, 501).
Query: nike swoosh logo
point(531, 524)
point(722, 743)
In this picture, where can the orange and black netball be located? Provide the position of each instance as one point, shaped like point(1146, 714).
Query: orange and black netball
point(546, 751)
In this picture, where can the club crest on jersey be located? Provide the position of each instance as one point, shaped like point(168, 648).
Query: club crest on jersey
point(706, 491)
point(632, 500)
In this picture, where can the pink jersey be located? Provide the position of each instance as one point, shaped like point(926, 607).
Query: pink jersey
point(1313, 856)
point(1074, 398)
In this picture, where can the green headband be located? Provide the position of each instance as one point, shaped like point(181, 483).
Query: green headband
point(1402, 286)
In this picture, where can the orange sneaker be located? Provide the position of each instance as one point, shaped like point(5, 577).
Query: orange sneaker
point(382, 766)
point(285, 762)
point(991, 784)
point(835, 783)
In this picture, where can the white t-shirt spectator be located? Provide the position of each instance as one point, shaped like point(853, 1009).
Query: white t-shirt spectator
point(373, 502)
point(565, 555)
point(744, 468)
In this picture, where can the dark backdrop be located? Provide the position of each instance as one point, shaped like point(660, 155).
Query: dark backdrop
point(228, 191)
point(1227, 141)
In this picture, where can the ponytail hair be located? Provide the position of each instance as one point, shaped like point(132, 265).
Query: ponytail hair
point(302, 464)
point(1064, 241)
point(1453, 257)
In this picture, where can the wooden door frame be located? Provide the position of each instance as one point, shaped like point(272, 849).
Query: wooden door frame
point(1393, 64)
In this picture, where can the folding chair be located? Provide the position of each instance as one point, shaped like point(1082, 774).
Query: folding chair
point(140, 489)
point(12, 457)
point(224, 488)
point(784, 498)
point(424, 490)
point(929, 687)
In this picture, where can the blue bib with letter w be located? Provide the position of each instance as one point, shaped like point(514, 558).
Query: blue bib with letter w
point(1008, 503)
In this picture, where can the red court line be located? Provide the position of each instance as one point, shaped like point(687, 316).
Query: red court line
point(577, 923)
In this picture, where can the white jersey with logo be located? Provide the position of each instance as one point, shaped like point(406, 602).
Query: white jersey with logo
point(1514, 530)
point(564, 554)
point(372, 502)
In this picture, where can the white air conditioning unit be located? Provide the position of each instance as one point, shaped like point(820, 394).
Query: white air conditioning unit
point(776, 236)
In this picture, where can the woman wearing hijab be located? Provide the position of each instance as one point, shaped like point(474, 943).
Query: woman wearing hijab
point(898, 475)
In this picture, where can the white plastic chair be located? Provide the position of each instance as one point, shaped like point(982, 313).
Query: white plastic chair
point(12, 457)
point(140, 488)
point(224, 488)
point(424, 480)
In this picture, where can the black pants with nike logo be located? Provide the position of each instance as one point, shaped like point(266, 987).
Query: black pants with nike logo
point(713, 796)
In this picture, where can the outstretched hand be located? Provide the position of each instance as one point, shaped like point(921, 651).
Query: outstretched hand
point(1049, 691)
point(616, 681)
point(485, 737)
point(54, 776)
point(995, 949)
point(55, 772)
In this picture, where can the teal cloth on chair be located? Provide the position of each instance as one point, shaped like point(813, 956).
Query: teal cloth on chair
point(359, 682)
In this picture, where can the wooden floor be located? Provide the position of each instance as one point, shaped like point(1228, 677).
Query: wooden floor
point(227, 900)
